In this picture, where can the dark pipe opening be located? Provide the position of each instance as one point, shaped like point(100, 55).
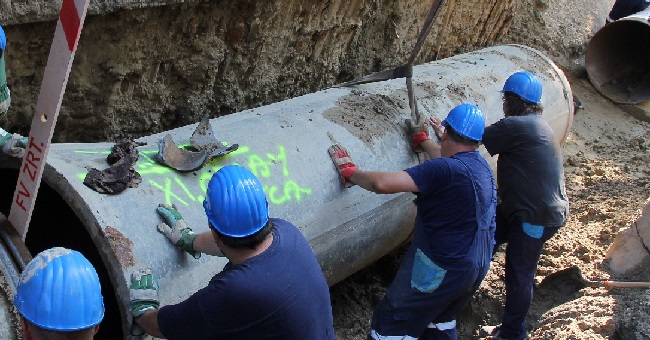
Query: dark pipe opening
point(54, 224)
point(617, 60)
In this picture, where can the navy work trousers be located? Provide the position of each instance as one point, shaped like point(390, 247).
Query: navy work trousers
point(522, 255)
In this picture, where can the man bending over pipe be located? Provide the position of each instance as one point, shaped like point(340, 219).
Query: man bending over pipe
point(453, 237)
point(272, 288)
point(59, 297)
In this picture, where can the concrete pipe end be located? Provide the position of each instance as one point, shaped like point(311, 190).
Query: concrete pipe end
point(617, 60)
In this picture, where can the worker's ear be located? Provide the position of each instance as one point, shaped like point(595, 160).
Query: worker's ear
point(444, 137)
point(214, 235)
point(95, 330)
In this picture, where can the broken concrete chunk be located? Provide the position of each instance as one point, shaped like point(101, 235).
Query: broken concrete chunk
point(203, 140)
point(171, 155)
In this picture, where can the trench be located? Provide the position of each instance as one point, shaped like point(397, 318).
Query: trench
point(347, 229)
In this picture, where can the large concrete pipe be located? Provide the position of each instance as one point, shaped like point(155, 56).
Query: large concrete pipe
point(617, 59)
point(285, 144)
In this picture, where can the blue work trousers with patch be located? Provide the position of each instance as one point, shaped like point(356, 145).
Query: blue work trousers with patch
point(413, 310)
point(524, 247)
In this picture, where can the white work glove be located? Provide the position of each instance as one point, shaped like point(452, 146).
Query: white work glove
point(4, 105)
point(143, 292)
point(12, 144)
point(176, 230)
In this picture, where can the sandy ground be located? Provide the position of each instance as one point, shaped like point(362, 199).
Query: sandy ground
point(606, 165)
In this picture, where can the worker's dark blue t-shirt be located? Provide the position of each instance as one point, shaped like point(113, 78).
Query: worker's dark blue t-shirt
point(446, 202)
point(279, 294)
point(530, 174)
point(451, 248)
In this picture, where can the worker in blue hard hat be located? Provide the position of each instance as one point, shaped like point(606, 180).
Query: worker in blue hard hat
point(533, 202)
point(11, 144)
point(451, 248)
point(59, 297)
point(271, 288)
point(624, 8)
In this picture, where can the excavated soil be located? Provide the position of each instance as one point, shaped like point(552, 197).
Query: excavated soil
point(606, 165)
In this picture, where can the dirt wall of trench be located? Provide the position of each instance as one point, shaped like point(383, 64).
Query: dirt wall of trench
point(139, 71)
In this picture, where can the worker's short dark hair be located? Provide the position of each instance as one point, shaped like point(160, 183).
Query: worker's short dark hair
point(42, 333)
point(250, 241)
point(458, 138)
point(518, 106)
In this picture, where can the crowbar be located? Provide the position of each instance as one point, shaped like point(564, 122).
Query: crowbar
point(404, 71)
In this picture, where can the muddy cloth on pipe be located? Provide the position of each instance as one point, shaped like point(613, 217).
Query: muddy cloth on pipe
point(121, 174)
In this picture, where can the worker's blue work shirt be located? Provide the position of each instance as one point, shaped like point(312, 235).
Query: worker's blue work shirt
point(446, 203)
point(279, 294)
point(451, 248)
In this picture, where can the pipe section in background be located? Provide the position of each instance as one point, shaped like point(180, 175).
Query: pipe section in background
point(285, 145)
point(617, 59)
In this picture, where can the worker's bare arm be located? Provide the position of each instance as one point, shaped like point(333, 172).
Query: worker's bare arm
point(384, 182)
point(431, 148)
point(205, 243)
point(149, 323)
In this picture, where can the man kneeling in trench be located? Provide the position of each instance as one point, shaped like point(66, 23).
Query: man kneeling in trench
point(453, 237)
point(272, 288)
point(59, 297)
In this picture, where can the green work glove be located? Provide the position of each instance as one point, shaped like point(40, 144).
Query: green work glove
point(143, 292)
point(176, 230)
point(12, 144)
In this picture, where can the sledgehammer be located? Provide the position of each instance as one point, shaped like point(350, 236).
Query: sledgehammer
point(575, 274)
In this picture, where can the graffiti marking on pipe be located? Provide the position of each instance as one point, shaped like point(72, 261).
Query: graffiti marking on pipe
point(262, 166)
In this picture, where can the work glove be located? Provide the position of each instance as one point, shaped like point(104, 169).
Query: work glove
point(12, 144)
point(6, 102)
point(343, 163)
point(143, 292)
point(176, 230)
point(418, 133)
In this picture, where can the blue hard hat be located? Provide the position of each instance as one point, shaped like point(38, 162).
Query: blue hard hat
point(235, 202)
point(59, 290)
point(467, 120)
point(3, 39)
point(526, 85)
